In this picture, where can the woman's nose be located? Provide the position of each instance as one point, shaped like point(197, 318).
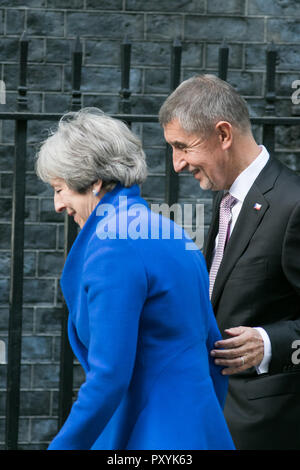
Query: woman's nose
point(59, 206)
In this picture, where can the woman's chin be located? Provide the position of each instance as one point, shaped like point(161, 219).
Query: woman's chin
point(79, 221)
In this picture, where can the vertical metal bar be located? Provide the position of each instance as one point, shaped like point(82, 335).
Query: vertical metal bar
point(22, 89)
point(270, 97)
point(17, 262)
point(223, 61)
point(175, 64)
point(172, 182)
point(271, 59)
point(125, 93)
point(76, 75)
point(70, 229)
point(66, 353)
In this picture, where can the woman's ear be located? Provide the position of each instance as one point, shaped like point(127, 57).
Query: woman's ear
point(97, 188)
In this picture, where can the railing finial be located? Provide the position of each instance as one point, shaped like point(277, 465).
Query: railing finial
point(176, 52)
point(270, 93)
point(22, 88)
point(223, 60)
point(76, 75)
point(125, 93)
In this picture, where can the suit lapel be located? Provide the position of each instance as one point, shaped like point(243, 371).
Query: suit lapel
point(245, 227)
point(247, 223)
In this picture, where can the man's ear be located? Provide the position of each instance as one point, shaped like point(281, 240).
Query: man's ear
point(224, 132)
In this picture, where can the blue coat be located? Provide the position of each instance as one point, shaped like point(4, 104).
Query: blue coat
point(142, 326)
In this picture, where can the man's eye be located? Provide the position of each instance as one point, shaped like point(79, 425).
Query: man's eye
point(57, 191)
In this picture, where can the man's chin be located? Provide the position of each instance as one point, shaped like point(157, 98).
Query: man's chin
point(206, 185)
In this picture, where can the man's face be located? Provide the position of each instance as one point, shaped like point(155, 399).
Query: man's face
point(204, 158)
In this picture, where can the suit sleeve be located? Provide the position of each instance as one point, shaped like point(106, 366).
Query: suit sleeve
point(116, 288)
point(283, 334)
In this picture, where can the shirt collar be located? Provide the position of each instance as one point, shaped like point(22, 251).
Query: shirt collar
point(245, 180)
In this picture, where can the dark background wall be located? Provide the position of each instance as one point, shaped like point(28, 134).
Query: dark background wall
point(52, 25)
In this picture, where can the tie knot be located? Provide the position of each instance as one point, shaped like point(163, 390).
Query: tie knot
point(228, 201)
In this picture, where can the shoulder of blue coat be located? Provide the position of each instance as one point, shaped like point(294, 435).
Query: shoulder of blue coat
point(123, 215)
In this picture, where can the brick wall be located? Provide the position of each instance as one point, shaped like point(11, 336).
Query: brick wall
point(247, 25)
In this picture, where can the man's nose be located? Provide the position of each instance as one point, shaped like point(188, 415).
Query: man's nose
point(179, 162)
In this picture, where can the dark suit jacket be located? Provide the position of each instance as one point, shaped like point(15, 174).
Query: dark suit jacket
point(258, 284)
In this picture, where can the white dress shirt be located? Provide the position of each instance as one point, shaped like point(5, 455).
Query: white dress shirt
point(239, 190)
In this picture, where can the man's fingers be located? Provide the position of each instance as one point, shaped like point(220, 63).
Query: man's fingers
point(228, 353)
point(237, 362)
point(243, 350)
point(237, 330)
point(231, 343)
point(240, 336)
point(233, 370)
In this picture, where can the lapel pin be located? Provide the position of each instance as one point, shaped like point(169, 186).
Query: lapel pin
point(257, 206)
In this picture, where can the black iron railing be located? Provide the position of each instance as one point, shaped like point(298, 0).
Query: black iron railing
point(21, 117)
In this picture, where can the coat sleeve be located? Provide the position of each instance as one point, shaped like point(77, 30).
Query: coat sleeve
point(115, 284)
point(220, 381)
point(283, 334)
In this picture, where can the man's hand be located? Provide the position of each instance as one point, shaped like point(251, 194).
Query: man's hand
point(243, 350)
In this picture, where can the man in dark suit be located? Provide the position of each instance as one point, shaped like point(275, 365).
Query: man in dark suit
point(253, 255)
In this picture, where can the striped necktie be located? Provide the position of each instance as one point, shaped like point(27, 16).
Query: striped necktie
point(226, 205)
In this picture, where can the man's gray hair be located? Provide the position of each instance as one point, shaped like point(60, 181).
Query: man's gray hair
point(89, 145)
point(201, 101)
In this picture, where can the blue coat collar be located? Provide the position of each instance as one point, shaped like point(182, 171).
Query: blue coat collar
point(71, 276)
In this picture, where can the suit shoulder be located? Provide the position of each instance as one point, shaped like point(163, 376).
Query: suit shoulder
point(287, 173)
point(289, 184)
